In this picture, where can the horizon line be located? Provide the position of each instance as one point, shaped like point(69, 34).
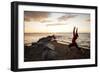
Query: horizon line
point(51, 32)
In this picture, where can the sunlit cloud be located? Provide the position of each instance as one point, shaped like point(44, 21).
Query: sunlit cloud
point(46, 21)
point(35, 15)
point(87, 20)
point(66, 17)
point(55, 24)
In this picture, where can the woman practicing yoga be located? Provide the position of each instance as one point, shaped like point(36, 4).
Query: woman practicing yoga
point(75, 36)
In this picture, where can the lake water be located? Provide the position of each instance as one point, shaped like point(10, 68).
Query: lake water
point(65, 38)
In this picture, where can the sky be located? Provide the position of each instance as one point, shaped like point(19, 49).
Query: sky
point(55, 22)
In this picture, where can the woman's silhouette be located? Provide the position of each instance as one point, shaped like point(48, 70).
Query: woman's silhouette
point(75, 36)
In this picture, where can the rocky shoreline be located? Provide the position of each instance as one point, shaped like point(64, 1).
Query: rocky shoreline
point(36, 52)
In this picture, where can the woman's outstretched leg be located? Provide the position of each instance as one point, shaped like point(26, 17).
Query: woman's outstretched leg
point(74, 32)
point(77, 33)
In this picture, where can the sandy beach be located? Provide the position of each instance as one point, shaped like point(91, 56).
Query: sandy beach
point(63, 52)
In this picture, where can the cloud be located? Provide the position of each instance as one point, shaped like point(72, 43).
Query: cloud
point(87, 20)
point(66, 17)
point(45, 21)
point(55, 24)
point(35, 16)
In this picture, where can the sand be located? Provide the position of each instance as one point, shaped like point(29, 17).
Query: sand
point(63, 52)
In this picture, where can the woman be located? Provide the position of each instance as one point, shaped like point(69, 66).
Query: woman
point(75, 36)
